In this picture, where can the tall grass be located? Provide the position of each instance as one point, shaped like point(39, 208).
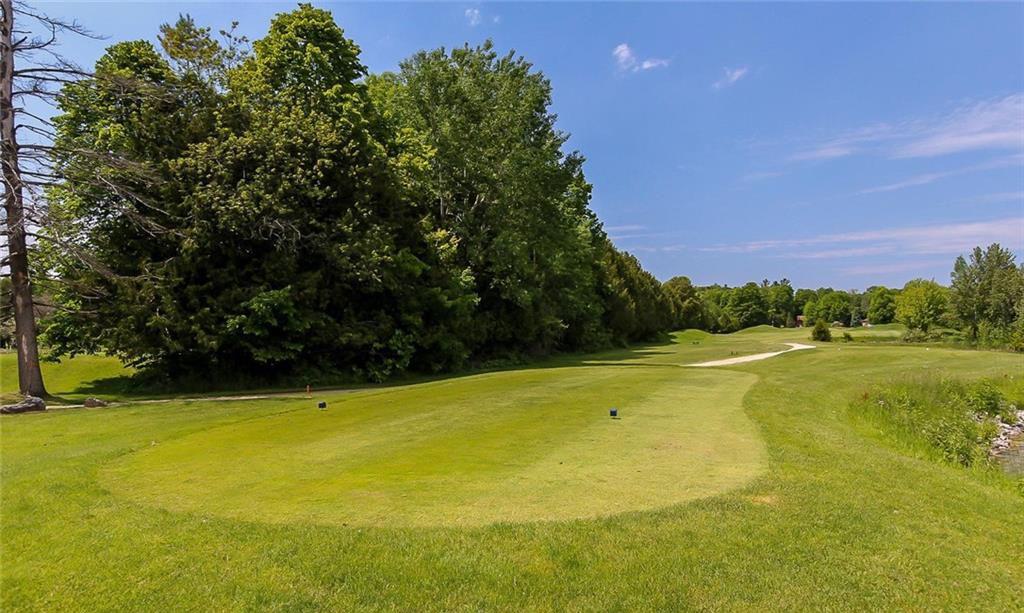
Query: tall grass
point(945, 419)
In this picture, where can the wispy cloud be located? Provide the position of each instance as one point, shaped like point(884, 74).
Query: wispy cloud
point(925, 179)
point(850, 252)
point(1000, 197)
point(952, 238)
point(825, 152)
point(473, 17)
point(989, 124)
point(730, 77)
point(626, 60)
point(659, 249)
point(653, 62)
point(625, 228)
point(892, 267)
point(985, 125)
point(760, 176)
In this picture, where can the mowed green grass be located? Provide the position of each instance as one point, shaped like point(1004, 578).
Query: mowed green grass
point(158, 507)
point(525, 445)
point(72, 379)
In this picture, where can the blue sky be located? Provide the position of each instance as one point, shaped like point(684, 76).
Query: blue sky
point(843, 145)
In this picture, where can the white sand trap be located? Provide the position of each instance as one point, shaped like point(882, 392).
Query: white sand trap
point(753, 358)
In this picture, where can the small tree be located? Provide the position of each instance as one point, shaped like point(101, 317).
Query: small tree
point(821, 331)
point(921, 304)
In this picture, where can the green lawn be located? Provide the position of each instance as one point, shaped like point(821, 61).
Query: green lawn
point(747, 487)
point(72, 379)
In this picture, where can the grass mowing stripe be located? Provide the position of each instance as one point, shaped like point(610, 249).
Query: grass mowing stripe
point(526, 445)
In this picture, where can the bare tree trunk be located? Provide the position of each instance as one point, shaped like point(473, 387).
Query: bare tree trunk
point(30, 377)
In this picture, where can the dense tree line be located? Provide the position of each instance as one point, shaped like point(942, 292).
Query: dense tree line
point(984, 303)
point(282, 211)
point(719, 308)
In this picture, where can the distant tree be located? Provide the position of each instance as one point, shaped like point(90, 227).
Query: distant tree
point(748, 305)
point(881, 305)
point(921, 304)
point(833, 306)
point(779, 296)
point(986, 289)
point(801, 297)
point(686, 303)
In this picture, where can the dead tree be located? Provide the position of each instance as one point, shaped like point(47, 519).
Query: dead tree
point(30, 69)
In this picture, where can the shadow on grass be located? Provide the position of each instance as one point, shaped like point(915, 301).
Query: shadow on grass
point(140, 387)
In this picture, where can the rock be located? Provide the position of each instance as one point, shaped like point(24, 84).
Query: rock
point(92, 403)
point(30, 403)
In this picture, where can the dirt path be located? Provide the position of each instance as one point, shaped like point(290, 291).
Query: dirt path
point(752, 358)
point(192, 399)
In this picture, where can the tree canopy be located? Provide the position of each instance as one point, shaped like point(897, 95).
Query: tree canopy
point(300, 216)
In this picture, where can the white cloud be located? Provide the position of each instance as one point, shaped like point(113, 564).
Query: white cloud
point(850, 252)
point(653, 62)
point(925, 179)
point(825, 152)
point(911, 182)
point(989, 124)
point(1000, 197)
point(996, 123)
point(473, 17)
point(892, 267)
point(663, 249)
point(930, 239)
point(625, 228)
point(626, 60)
point(731, 76)
point(760, 176)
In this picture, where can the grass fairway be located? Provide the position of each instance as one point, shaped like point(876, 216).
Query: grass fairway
point(747, 487)
point(526, 445)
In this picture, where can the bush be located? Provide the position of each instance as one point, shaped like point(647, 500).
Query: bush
point(847, 337)
point(821, 331)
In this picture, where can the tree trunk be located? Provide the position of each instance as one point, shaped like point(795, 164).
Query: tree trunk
point(30, 377)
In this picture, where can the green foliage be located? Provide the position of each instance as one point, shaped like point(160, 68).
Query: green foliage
point(687, 304)
point(290, 215)
point(821, 331)
point(881, 306)
point(830, 306)
point(921, 304)
point(987, 295)
point(748, 305)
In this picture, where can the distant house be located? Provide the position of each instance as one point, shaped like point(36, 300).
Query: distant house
point(800, 321)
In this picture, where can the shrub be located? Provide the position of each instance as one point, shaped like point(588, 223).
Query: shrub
point(847, 337)
point(820, 332)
